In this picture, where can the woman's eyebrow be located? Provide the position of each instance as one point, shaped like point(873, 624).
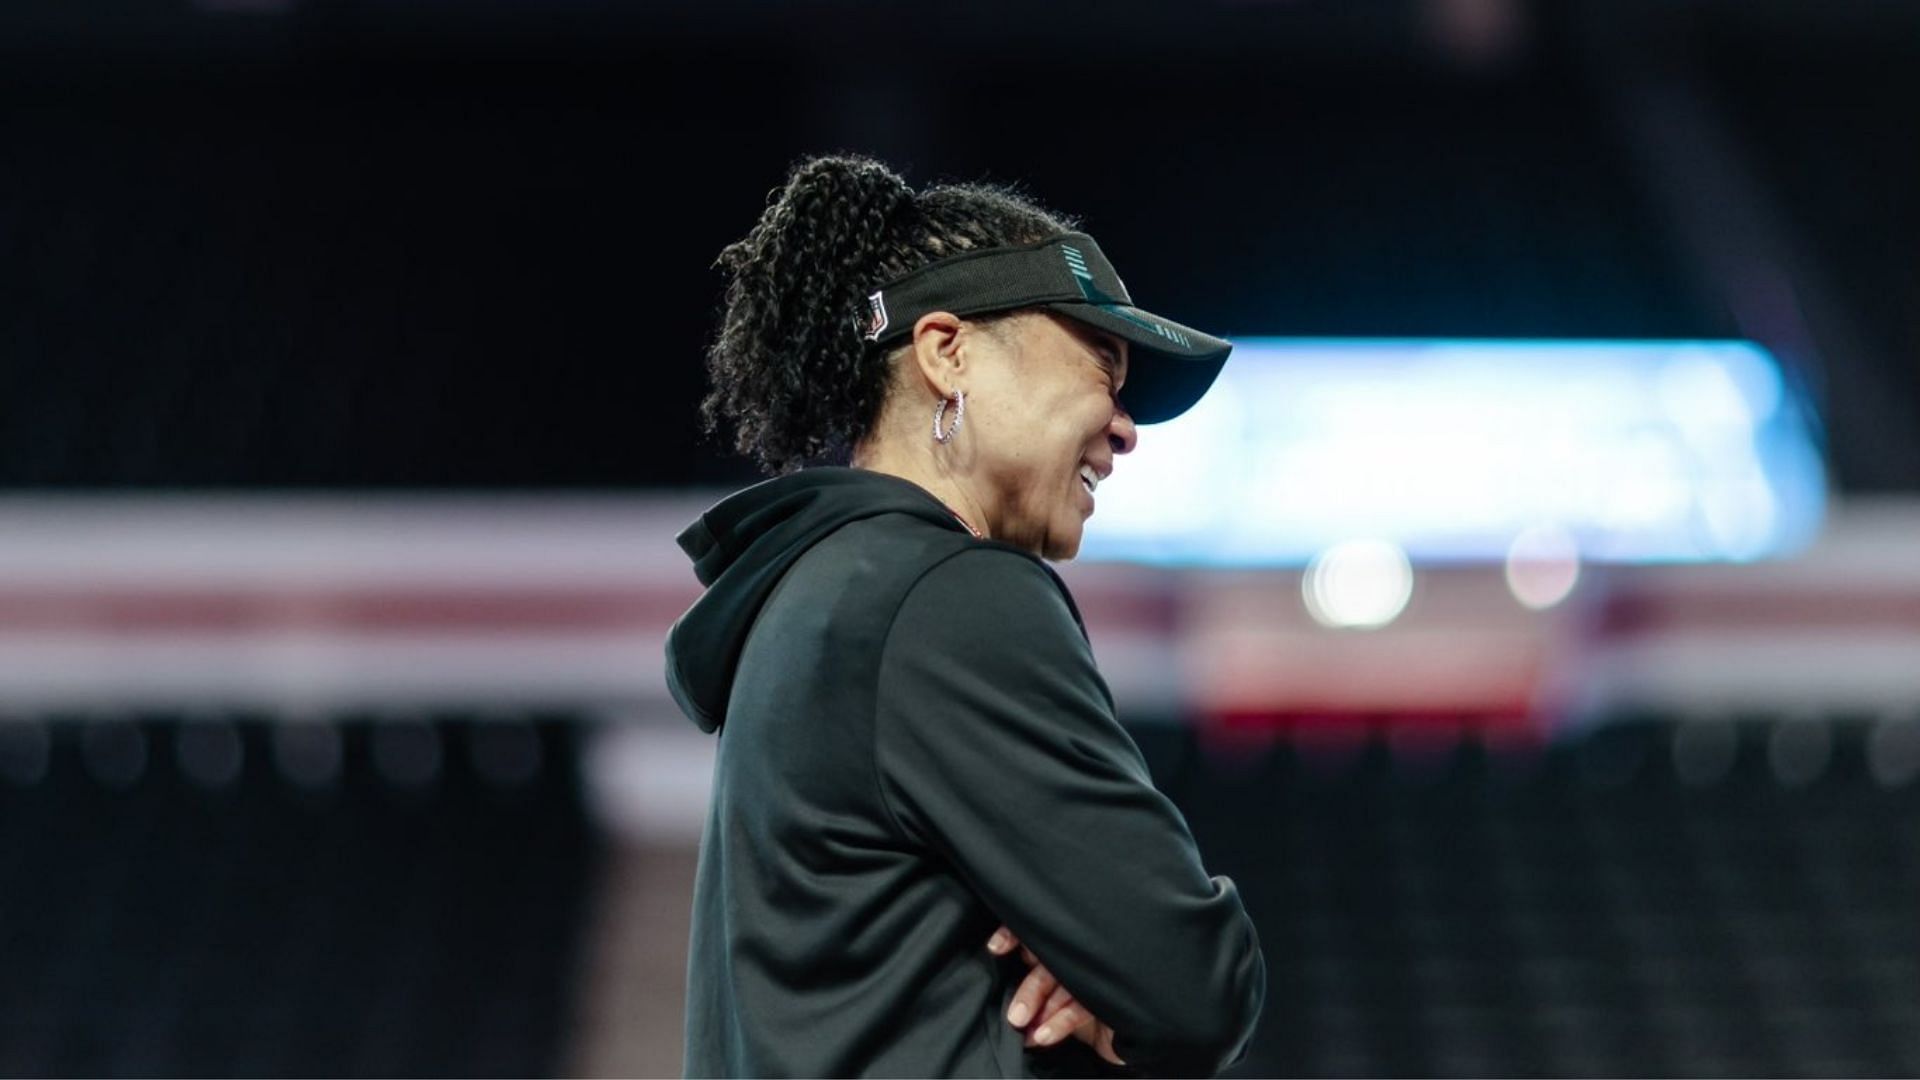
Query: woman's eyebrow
point(1115, 364)
point(1107, 349)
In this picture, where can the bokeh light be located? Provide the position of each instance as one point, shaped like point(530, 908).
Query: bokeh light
point(1358, 585)
point(1543, 566)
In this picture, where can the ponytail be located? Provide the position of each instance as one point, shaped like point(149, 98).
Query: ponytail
point(791, 368)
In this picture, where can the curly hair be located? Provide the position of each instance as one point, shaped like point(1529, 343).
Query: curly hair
point(790, 369)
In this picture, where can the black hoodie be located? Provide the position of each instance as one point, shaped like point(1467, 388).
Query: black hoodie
point(915, 746)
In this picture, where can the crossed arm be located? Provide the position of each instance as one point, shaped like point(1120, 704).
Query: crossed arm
point(997, 749)
point(1045, 1009)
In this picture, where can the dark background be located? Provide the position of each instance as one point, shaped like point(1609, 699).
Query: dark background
point(291, 246)
point(420, 245)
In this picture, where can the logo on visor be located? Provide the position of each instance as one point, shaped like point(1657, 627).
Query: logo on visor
point(1083, 277)
point(876, 317)
point(1077, 263)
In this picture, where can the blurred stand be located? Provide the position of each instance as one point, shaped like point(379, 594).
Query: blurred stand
point(299, 604)
point(633, 979)
point(1535, 791)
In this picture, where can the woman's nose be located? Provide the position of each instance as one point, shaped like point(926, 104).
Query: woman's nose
point(1121, 434)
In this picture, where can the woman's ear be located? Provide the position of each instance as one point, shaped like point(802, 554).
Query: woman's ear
point(937, 337)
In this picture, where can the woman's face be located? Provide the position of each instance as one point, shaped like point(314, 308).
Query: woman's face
point(1040, 409)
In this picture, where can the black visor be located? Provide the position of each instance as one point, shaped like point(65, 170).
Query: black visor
point(1169, 365)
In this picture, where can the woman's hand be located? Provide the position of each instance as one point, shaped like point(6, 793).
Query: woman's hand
point(1050, 1008)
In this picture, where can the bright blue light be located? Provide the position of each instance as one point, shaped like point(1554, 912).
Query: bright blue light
point(1642, 451)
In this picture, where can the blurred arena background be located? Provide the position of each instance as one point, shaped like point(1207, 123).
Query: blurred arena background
point(349, 352)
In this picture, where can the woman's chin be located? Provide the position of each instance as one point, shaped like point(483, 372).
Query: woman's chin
point(1064, 544)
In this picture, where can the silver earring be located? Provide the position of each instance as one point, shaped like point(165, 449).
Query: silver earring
point(959, 413)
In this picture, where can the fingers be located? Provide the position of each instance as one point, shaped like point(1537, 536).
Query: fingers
point(1058, 1002)
point(1032, 993)
point(1064, 1023)
point(1003, 942)
point(1043, 999)
point(1059, 999)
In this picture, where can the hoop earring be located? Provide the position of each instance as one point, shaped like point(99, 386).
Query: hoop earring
point(959, 414)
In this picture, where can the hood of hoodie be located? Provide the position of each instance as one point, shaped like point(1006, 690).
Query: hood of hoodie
point(741, 548)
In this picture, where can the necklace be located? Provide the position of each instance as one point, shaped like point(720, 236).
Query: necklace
point(965, 522)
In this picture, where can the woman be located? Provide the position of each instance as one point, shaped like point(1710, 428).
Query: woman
point(931, 849)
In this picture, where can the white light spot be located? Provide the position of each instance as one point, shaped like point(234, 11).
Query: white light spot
point(1740, 513)
point(1646, 484)
point(1543, 565)
point(307, 752)
point(1893, 752)
point(1799, 751)
point(1697, 393)
point(209, 754)
point(651, 783)
point(1358, 584)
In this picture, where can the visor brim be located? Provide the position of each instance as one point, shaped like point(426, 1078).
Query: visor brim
point(1170, 366)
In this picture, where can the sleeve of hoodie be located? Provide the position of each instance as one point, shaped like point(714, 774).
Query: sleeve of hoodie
point(997, 747)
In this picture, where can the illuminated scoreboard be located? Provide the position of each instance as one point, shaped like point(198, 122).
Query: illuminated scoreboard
point(1470, 451)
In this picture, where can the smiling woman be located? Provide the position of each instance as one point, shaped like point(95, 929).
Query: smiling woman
point(1047, 424)
point(919, 753)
